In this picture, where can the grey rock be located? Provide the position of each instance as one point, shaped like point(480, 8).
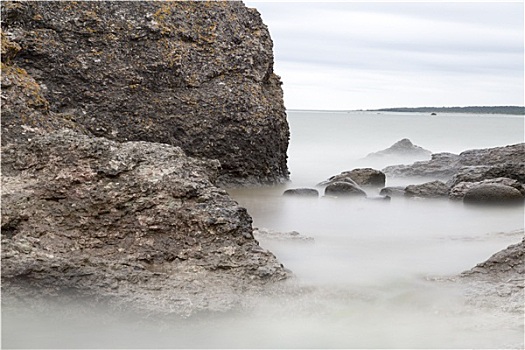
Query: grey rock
point(441, 165)
point(344, 189)
point(301, 192)
point(458, 190)
point(393, 191)
point(434, 189)
point(508, 161)
point(264, 233)
point(358, 177)
point(493, 193)
point(367, 177)
point(137, 223)
point(198, 75)
point(402, 148)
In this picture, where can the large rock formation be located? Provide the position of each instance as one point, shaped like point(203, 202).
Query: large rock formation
point(198, 75)
point(137, 222)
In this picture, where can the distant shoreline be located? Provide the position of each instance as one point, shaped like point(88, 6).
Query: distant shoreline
point(513, 110)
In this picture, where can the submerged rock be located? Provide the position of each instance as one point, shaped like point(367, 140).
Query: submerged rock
point(138, 223)
point(198, 75)
point(301, 192)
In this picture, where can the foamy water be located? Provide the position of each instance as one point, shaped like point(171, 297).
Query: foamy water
point(374, 275)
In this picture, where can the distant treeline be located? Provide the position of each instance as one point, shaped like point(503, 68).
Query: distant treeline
point(474, 109)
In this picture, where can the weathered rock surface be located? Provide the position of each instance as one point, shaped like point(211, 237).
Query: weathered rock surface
point(139, 223)
point(458, 191)
point(404, 150)
point(433, 189)
point(500, 280)
point(359, 177)
point(508, 161)
point(198, 75)
point(393, 191)
point(344, 189)
point(367, 177)
point(493, 193)
point(301, 192)
point(441, 165)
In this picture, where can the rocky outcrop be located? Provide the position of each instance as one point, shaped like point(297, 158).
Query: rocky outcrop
point(495, 162)
point(136, 222)
point(198, 75)
point(403, 150)
point(499, 281)
point(441, 166)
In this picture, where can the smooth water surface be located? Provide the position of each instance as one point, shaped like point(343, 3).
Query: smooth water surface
point(374, 274)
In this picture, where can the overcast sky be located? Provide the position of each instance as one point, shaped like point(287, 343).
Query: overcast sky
point(364, 55)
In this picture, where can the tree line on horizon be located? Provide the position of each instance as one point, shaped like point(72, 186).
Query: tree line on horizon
point(517, 110)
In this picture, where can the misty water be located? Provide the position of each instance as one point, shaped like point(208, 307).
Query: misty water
point(373, 274)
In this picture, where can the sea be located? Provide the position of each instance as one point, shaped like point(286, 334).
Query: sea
point(367, 273)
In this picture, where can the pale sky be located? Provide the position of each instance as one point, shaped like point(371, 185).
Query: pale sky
point(365, 55)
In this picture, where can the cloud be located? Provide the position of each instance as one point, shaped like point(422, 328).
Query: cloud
point(350, 55)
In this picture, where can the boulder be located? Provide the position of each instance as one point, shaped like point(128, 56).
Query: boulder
point(344, 189)
point(493, 193)
point(359, 177)
point(367, 177)
point(301, 192)
point(458, 190)
point(434, 189)
point(198, 75)
point(137, 223)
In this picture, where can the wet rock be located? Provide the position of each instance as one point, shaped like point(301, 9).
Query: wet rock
point(441, 165)
point(494, 162)
point(498, 282)
point(301, 192)
point(358, 177)
point(367, 177)
point(379, 198)
point(137, 223)
point(198, 75)
point(393, 191)
point(493, 193)
point(459, 190)
point(508, 263)
point(434, 189)
point(344, 189)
